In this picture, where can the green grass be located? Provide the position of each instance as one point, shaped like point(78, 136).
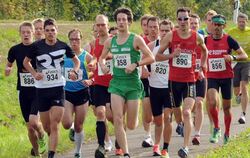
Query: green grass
point(236, 148)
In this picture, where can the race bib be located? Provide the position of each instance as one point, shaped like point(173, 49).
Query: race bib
point(51, 76)
point(160, 68)
point(197, 65)
point(122, 60)
point(27, 80)
point(109, 65)
point(78, 76)
point(217, 64)
point(184, 60)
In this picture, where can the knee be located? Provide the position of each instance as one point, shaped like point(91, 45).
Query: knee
point(186, 113)
point(198, 105)
point(78, 128)
point(100, 114)
point(66, 125)
point(158, 121)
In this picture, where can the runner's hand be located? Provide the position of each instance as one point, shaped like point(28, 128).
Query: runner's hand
point(177, 52)
point(87, 83)
point(91, 67)
point(130, 68)
point(228, 58)
point(105, 69)
point(145, 73)
point(38, 76)
point(8, 71)
point(73, 75)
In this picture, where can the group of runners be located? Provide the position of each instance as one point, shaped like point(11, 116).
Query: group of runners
point(171, 69)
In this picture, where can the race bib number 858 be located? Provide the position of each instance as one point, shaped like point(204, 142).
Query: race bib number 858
point(122, 60)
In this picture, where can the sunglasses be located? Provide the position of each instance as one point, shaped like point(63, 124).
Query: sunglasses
point(183, 19)
point(165, 30)
point(50, 30)
point(216, 24)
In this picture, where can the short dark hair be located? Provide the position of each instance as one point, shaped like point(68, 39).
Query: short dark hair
point(167, 22)
point(196, 16)
point(75, 30)
point(183, 9)
point(112, 29)
point(145, 17)
point(126, 11)
point(26, 23)
point(153, 18)
point(242, 15)
point(50, 21)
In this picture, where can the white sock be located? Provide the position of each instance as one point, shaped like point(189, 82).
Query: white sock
point(72, 126)
point(78, 141)
point(197, 133)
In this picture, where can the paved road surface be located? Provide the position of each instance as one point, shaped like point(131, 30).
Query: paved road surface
point(135, 138)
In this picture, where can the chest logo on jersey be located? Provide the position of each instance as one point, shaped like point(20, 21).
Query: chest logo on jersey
point(114, 50)
point(51, 60)
point(125, 49)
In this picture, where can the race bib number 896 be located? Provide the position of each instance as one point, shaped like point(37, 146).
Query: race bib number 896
point(27, 80)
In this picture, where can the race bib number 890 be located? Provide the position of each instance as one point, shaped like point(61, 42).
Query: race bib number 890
point(184, 60)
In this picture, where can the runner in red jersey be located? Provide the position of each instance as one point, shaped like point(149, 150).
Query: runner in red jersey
point(101, 84)
point(220, 74)
point(183, 42)
point(200, 86)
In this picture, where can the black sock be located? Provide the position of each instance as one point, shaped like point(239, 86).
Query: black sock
point(117, 146)
point(100, 132)
point(51, 154)
point(244, 113)
point(165, 146)
point(126, 154)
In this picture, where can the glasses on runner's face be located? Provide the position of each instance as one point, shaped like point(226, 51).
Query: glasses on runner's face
point(102, 25)
point(183, 18)
point(217, 24)
point(164, 30)
point(50, 30)
point(74, 39)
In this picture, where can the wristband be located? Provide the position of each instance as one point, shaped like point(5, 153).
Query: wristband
point(137, 64)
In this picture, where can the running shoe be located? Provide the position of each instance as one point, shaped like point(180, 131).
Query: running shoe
point(179, 129)
point(42, 143)
point(242, 119)
point(72, 134)
point(33, 155)
point(226, 139)
point(100, 152)
point(147, 142)
point(215, 136)
point(108, 146)
point(196, 140)
point(164, 153)
point(77, 155)
point(156, 150)
point(238, 99)
point(183, 152)
point(118, 152)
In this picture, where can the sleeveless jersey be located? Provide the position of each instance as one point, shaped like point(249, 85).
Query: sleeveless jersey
point(76, 85)
point(217, 66)
point(124, 55)
point(159, 70)
point(102, 80)
point(146, 40)
point(182, 67)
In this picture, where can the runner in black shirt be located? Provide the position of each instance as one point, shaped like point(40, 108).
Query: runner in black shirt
point(48, 54)
point(26, 88)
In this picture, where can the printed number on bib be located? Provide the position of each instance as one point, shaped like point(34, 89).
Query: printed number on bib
point(78, 76)
point(27, 80)
point(197, 65)
point(122, 60)
point(184, 60)
point(217, 64)
point(109, 65)
point(51, 76)
point(160, 68)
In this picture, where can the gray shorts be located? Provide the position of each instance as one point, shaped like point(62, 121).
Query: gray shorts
point(241, 73)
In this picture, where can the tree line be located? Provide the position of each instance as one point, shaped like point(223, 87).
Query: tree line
point(81, 10)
